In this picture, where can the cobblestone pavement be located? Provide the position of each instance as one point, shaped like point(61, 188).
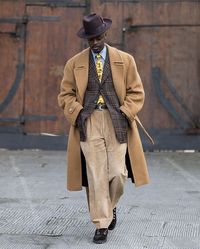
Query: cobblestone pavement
point(37, 212)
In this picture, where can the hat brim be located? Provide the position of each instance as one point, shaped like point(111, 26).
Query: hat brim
point(81, 33)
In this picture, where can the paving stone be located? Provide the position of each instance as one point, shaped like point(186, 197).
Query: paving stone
point(180, 229)
point(181, 243)
point(37, 212)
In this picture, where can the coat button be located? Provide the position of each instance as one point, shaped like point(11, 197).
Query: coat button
point(70, 110)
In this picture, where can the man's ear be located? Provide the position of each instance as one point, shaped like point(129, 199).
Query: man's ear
point(105, 34)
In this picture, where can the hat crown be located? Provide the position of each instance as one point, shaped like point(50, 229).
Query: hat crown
point(93, 23)
point(93, 26)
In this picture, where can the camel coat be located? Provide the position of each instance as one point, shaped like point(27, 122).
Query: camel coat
point(129, 89)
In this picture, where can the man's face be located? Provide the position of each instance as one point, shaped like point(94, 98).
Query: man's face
point(97, 43)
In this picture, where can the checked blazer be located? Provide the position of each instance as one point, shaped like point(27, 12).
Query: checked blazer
point(107, 90)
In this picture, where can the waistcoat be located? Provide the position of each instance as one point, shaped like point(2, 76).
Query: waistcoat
point(107, 90)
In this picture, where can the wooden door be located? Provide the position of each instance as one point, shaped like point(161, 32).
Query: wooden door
point(166, 58)
point(11, 66)
point(36, 40)
point(50, 41)
point(37, 37)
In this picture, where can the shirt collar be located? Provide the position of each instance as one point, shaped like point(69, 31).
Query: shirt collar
point(102, 53)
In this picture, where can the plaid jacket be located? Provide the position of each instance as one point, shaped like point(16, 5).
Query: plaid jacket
point(106, 89)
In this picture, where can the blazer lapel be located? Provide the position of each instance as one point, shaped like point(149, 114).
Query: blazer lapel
point(105, 69)
point(93, 67)
point(81, 73)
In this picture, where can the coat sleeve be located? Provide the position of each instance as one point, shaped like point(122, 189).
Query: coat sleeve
point(67, 96)
point(134, 98)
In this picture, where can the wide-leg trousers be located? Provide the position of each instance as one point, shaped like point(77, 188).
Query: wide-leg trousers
point(106, 169)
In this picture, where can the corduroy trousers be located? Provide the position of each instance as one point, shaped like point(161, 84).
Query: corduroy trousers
point(106, 169)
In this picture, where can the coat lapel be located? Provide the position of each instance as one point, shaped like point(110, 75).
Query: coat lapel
point(117, 69)
point(81, 73)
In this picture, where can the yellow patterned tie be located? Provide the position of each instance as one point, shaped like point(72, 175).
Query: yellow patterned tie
point(99, 67)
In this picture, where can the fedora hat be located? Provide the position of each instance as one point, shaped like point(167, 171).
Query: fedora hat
point(94, 25)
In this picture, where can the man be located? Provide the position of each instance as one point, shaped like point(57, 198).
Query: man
point(101, 94)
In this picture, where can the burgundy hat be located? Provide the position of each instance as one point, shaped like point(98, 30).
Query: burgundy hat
point(94, 25)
